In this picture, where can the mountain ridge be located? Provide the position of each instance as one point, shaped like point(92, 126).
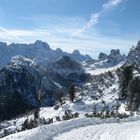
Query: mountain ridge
point(38, 51)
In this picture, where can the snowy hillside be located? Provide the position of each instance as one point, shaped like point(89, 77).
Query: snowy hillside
point(95, 99)
point(83, 108)
point(98, 71)
point(84, 129)
point(85, 105)
point(106, 131)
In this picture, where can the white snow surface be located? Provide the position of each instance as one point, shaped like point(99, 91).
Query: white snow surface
point(91, 70)
point(83, 129)
point(114, 131)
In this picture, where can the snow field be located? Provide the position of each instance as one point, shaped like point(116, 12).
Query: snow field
point(83, 129)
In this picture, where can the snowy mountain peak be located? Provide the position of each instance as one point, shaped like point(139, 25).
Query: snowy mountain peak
point(76, 52)
point(59, 50)
point(138, 45)
point(67, 62)
point(3, 44)
point(67, 68)
point(38, 51)
point(134, 55)
point(45, 45)
point(79, 57)
point(106, 61)
point(114, 52)
point(21, 60)
point(102, 56)
point(115, 57)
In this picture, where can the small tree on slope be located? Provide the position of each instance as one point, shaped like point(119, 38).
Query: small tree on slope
point(72, 93)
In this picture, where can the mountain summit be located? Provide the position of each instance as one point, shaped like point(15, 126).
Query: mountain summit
point(39, 51)
point(134, 55)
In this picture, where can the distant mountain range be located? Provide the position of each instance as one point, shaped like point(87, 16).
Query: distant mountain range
point(39, 52)
point(106, 61)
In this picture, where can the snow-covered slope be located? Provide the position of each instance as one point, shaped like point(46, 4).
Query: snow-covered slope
point(91, 70)
point(113, 131)
point(84, 129)
point(99, 95)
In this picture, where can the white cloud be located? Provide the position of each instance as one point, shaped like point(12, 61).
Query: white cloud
point(94, 18)
point(4, 30)
point(22, 35)
point(111, 4)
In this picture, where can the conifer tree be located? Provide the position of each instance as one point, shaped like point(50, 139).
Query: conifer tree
point(72, 92)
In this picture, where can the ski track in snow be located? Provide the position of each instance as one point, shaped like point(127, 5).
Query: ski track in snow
point(115, 131)
point(82, 129)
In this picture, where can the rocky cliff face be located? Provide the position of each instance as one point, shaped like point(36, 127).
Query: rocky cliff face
point(22, 79)
point(102, 56)
point(115, 57)
point(20, 85)
point(17, 87)
point(133, 57)
point(106, 61)
point(130, 78)
point(69, 69)
point(76, 55)
point(66, 65)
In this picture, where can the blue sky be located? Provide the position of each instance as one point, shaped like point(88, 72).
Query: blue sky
point(88, 25)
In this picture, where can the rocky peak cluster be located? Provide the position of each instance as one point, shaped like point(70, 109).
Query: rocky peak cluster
point(102, 56)
point(114, 54)
point(114, 58)
point(38, 51)
point(133, 57)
